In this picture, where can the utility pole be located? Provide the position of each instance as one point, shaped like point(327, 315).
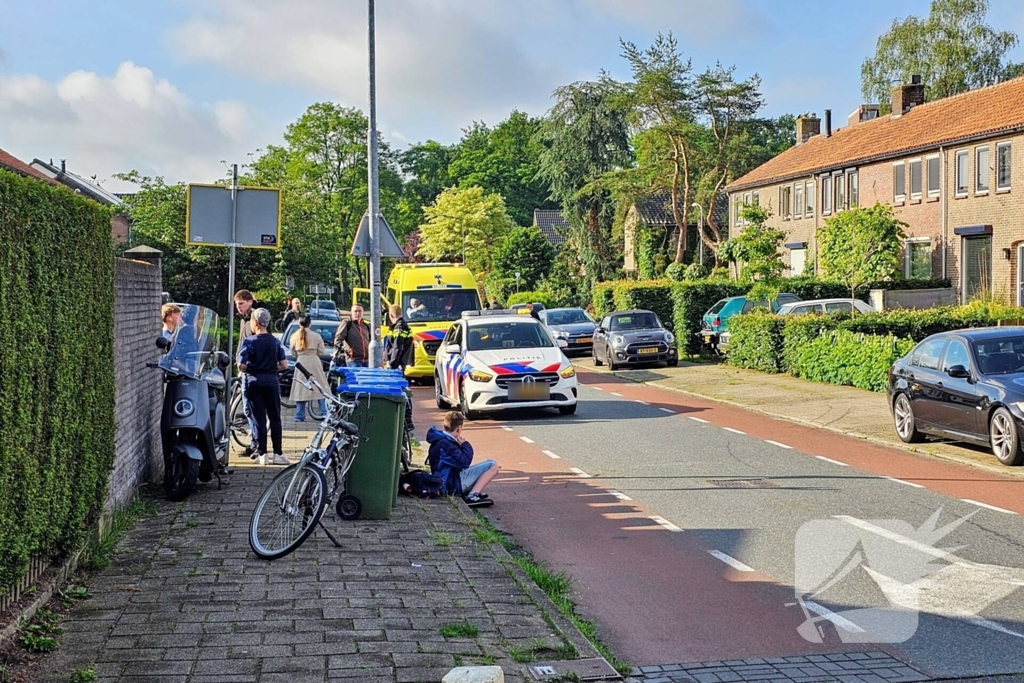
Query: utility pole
point(232, 245)
point(375, 321)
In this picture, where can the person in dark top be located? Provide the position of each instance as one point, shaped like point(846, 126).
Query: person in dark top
point(398, 352)
point(261, 357)
point(352, 340)
point(451, 458)
point(294, 313)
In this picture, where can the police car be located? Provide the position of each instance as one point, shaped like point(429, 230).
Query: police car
point(498, 360)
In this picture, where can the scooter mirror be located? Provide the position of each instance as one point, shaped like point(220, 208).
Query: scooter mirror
point(163, 343)
point(223, 360)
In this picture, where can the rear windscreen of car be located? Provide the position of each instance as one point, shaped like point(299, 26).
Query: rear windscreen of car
point(717, 308)
point(508, 335)
point(325, 331)
point(325, 305)
point(636, 321)
point(1002, 356)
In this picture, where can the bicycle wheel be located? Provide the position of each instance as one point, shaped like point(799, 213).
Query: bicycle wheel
point(241, 433)
point(279, 526)
point(313, 408)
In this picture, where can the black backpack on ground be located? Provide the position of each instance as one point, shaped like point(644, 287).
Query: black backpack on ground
point(420, 483)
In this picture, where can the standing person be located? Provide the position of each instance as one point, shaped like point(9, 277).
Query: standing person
point(171, 315)
point(352, 340)
point(494, 304)
point(451, 458)
point(307, 346)
point(261, 357)
point(398, 352)
point(293, 313)
point(245, 303)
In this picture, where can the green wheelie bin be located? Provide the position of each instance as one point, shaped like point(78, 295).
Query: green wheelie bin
point(373, 478)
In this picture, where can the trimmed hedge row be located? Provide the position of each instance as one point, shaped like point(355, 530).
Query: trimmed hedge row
point(756, 341)
point(57, 367)
point(850, 359)
point(603, 294)
point(690, 301)
point(654, 295)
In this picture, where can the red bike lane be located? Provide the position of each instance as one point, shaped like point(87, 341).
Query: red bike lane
point(656, 593)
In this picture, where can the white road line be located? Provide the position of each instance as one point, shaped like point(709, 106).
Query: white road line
point(667, 410)
point(839, 621)
point(734, 431)
point(780, 445)
point(526, 439)
point(579, 472)
point(550, 455)
point(615, 393)
point(620, 496)
point(596, 388)
point(900, 481)
point(507, 429)
point(697, 419)
point(636, 400)
point(731, 561)
point(834, 462)
point(987, 506)
point(665, 523)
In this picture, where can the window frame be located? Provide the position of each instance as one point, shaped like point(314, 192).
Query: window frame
point(826, 195)
point(960, 180)
point(944, 365)
point(838, 191)
point(938, 175)
point(1008, 145)
point(899, 196)
point(980, 191)
point(755, 197)
point(809, 190)
point(920, 178)
point(908, 258)
point(786, 202)
point(852, 187)
point(798, 200)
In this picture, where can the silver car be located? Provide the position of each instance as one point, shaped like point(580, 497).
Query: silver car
point(571, 324)
point(632, 338)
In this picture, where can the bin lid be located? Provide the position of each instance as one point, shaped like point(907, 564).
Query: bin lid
point(374, 389)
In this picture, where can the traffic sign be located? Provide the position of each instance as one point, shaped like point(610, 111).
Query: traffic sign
point(208, 217)
point(389, 246)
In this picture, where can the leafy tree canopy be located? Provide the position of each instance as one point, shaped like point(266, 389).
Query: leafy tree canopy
point(464, 218)
point(525, 251)
point(861, 245)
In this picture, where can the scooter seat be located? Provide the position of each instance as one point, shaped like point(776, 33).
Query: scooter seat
point(348, 427)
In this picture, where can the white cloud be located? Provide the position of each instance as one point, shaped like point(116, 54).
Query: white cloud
point(132, 120)
point(707, 23)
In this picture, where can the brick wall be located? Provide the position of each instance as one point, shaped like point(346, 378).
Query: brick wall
point(797, 229)
point(138, 457)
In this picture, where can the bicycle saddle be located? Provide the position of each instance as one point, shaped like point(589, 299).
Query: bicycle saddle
point(348, 427)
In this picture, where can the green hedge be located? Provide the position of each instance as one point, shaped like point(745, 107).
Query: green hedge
point(604, 298)
point(755, 341)
point(808, 288)
point(56, 368)
point(690, 301)
point(847, 358)
point(531, 297)
point(652, 295)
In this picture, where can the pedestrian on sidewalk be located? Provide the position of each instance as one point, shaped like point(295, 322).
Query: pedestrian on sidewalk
point(294, 312)
point(261, 357)
point(245, 304)
point(307, 346)
point(352, 340)
point(451, 458)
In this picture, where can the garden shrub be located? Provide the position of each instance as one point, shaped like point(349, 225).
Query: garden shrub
point(604, 298)
point(57, 367)
point(755, 341)
point(848, 358)
point(800, 330)
point(690, 300)
point(652, 295)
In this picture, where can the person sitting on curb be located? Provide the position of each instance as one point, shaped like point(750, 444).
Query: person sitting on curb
point(451, 458)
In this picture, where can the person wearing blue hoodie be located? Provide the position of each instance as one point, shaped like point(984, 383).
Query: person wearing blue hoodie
point(451, 458)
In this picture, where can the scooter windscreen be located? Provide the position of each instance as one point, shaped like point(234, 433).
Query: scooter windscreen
point(193, 344)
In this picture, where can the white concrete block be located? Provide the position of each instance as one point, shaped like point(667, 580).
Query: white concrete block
point(475, 674)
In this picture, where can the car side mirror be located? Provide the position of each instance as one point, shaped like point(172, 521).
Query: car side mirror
point(599, 329)
point(163, 343)
point(958, 372)
point(453, 349)
point(562, 344)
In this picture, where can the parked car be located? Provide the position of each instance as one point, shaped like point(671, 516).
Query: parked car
point(322, 309)
point(632, 337)
point(571, 324)
point(716, 320)
point(966, 385)
point(825, 306)
point(326, 329)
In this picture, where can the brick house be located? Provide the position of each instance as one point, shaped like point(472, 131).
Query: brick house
point(119, 224)
point(655, 211)
point(945, 166)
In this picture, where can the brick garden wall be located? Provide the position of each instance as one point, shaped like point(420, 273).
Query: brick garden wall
point(138, 457)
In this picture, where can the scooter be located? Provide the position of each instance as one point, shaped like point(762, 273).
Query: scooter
point(192, 425)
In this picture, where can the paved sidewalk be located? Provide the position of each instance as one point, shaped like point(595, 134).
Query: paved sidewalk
point(847, 410)
point(186, 600)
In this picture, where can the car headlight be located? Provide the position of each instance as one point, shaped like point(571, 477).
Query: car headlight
point(618, 340)
point(478, 376)
point(670, 338)
point(560, 334)
point(568, 372)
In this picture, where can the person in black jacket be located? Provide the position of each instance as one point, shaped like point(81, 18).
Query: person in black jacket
point(352, 340)
point(293, 313)
point(261, 357)
point(398, 352)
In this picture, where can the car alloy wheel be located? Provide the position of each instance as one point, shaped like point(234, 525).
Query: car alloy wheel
point(903, 417)
point(1003, 437)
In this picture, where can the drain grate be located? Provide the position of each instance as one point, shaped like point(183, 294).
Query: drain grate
point(742, 483)
point(594, 669)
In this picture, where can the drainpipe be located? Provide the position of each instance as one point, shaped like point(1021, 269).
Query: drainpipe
point(942, 207)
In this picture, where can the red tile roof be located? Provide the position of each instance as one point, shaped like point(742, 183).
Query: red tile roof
point(15, 164)
point(979, 113)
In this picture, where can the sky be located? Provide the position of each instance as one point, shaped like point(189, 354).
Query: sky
point(175, 88)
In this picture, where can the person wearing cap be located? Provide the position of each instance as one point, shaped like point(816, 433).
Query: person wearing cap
point(261, 357)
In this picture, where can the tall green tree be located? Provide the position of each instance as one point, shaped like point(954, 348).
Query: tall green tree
point(861, 245)
point(757, 250)
point(426, 168)
point(525, 251)
point(586, 136)
point(953, 50)
point(464, 219)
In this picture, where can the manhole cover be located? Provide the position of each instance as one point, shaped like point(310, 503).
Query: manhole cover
point(743, 483)
point(595, 669)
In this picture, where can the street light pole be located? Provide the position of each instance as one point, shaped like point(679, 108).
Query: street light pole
point(374, 209)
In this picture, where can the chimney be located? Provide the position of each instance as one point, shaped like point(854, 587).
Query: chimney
point(828, 123)
point(63, 168)
point(864, 112)
point(807, 126)
point(906, 97)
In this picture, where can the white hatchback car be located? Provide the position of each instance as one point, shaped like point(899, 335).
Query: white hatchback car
point(492, 361)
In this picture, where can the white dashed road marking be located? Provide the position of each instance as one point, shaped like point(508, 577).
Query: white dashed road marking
point(839, 621)
point(550, 455)
point(667, 410)
point(731, 561)
point(987, 506)
point(780, 445)
point(697, 419)
point(900, 481)
point(597, 388)
point(620, 496)
point(507, 429)
point(834, 462)
point(734, 431)
point(526, 439)
point(662, 522)
point(636, 400)
point(615, 393)
point(579, 472)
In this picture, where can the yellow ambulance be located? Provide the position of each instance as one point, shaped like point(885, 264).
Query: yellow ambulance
point(432, 296)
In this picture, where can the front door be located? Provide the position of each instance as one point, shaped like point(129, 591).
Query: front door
point(977, 267)
point(956, 408)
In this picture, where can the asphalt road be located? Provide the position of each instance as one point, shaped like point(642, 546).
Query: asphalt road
point(687, 527)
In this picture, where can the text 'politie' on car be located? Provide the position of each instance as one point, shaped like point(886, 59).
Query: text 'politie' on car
point(966, 385)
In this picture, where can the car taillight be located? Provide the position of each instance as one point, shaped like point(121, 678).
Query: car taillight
point(717, 322)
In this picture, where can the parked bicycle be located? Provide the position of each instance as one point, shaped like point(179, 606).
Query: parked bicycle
point(292, 506)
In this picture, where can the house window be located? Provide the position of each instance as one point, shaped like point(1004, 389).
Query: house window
point(798, 200)
point(933, 176)
point(915, 179)
point(977, 266)
point(756, 198)
point(797, 262)
point(809, 196)
point(961, 173)
point(746, 199)
point(919, 258)
point(853, 188)
point(899, 182)
point(981, 171)
point(1004, 157)
point(737, 205)
point(785, 202)
point(826, 195)
point(839, 190)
